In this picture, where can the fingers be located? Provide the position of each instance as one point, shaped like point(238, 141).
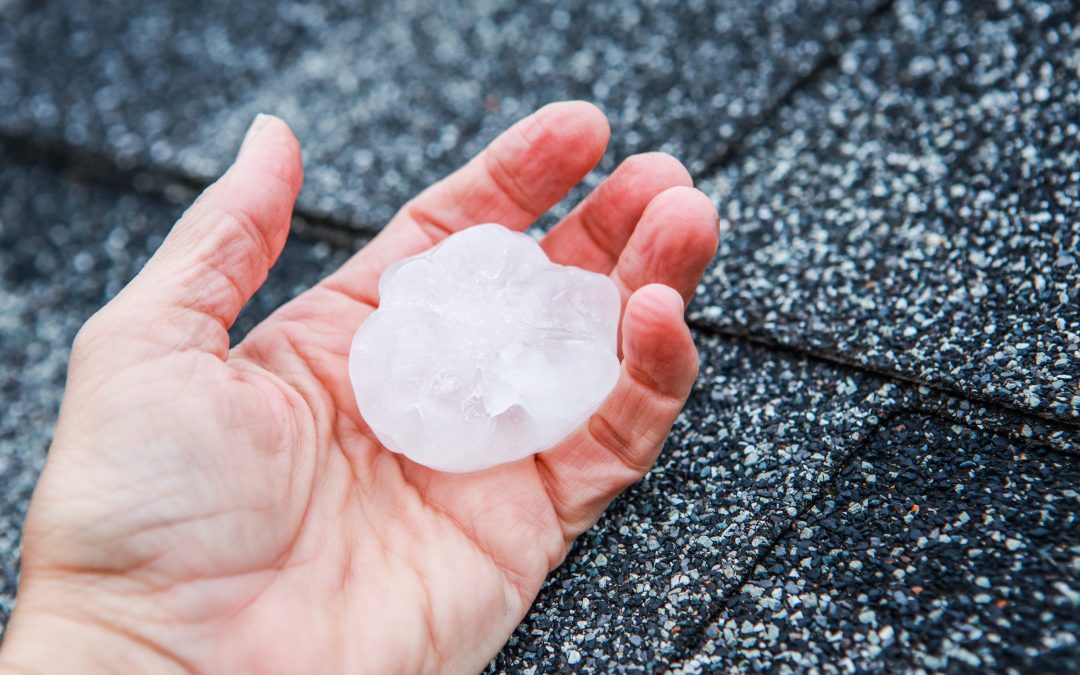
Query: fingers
point(622, 439)
point(594, 234)
point(673, 243)
point(219, 252)
point(519, 176)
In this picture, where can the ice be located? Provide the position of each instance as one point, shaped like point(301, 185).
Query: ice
point(483, 351)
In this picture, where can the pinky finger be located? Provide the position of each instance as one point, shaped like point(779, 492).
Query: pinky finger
point(621, 441)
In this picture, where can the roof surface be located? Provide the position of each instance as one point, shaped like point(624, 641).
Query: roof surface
point(878, 467)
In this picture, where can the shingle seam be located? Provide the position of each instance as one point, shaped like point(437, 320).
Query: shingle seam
point(326, 226)
point(834, 51)
point(690, 642)
point(154, 181)
point(837, 361)
point(913, 410)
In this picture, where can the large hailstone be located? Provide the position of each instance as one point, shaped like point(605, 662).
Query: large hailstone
point(483, 351)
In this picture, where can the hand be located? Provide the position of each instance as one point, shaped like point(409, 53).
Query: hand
point(227, 510)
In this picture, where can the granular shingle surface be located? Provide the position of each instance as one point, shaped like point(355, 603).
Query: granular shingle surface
point(877, 469)
point(137, 81)
point(387, 97)
point(917, 209)
point(919, 557)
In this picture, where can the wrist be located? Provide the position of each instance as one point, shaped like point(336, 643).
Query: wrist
point(38, 640)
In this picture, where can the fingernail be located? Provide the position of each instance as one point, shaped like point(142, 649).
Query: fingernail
point(257, 125)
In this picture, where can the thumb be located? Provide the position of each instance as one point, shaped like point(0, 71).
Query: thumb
point(219, 252)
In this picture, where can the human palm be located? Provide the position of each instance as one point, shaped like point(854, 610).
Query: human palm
point(214, 509)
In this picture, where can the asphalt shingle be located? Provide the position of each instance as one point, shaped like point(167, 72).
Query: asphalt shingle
point(917, 209)
point(135, 81)
point(941, 547)
point(391, 97)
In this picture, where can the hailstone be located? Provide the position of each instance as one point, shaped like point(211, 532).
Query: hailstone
point(482, 351)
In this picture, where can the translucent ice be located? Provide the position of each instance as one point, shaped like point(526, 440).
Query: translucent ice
point(483, 351)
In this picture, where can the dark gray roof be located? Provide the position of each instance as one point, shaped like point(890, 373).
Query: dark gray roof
point(174, 84)
point(877, 469)
point(916, 209)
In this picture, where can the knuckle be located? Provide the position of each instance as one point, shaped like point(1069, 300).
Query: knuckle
point(242, 229)
point(532, 129)
point(238, 259)
point(505, 181)
point(625, 450)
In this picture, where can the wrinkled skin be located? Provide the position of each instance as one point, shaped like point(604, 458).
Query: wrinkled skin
point(211, 509)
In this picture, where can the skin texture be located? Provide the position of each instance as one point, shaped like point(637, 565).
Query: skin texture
point(210, 509)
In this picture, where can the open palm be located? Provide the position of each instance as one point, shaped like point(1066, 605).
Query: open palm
point(214, 509)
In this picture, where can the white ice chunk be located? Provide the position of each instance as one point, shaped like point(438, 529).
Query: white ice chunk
point(483, 351)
